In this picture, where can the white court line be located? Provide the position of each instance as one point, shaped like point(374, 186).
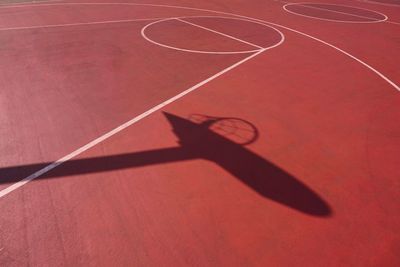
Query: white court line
point(339, 12)
point(220, 33)
point(75, 24)
point(146, 28)
point(379, 3)
point(147, 38)
point(29, 3)
point(120, 128)
point(385, 18)
point(158, 107)
point(393, 22)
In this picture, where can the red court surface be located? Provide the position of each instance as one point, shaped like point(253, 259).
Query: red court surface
point(200, 133)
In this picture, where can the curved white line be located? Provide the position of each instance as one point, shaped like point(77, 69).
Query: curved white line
point(144, 35)
point(143, 32)
point(379, 3)
point(304, 4)
point(76, 24)
point(29, 3)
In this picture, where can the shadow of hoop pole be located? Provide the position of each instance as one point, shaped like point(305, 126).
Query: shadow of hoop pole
point(196, 141)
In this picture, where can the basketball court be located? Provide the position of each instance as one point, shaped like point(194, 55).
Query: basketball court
point(200, 133)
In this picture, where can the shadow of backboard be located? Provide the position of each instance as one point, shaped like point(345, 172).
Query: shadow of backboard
point(219, 140)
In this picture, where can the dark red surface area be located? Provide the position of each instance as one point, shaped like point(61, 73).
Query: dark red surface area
point(289, 159)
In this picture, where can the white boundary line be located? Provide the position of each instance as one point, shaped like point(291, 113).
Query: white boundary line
point(306, 4)
point(220, 33)
point(120, 128)
point(378, 3)
point(161, 105)
point(29, 3)
point(76, 24)
point(393, 22)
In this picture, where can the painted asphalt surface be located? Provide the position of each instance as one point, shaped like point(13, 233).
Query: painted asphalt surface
point(317, 185)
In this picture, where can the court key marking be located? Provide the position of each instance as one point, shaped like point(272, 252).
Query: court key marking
point(184, 20)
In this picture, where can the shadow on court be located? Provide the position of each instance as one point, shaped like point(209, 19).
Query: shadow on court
point(198, 141)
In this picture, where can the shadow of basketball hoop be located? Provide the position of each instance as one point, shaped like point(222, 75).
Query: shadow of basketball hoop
point(219, 140)
point(222, 140)
point(237, 130)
